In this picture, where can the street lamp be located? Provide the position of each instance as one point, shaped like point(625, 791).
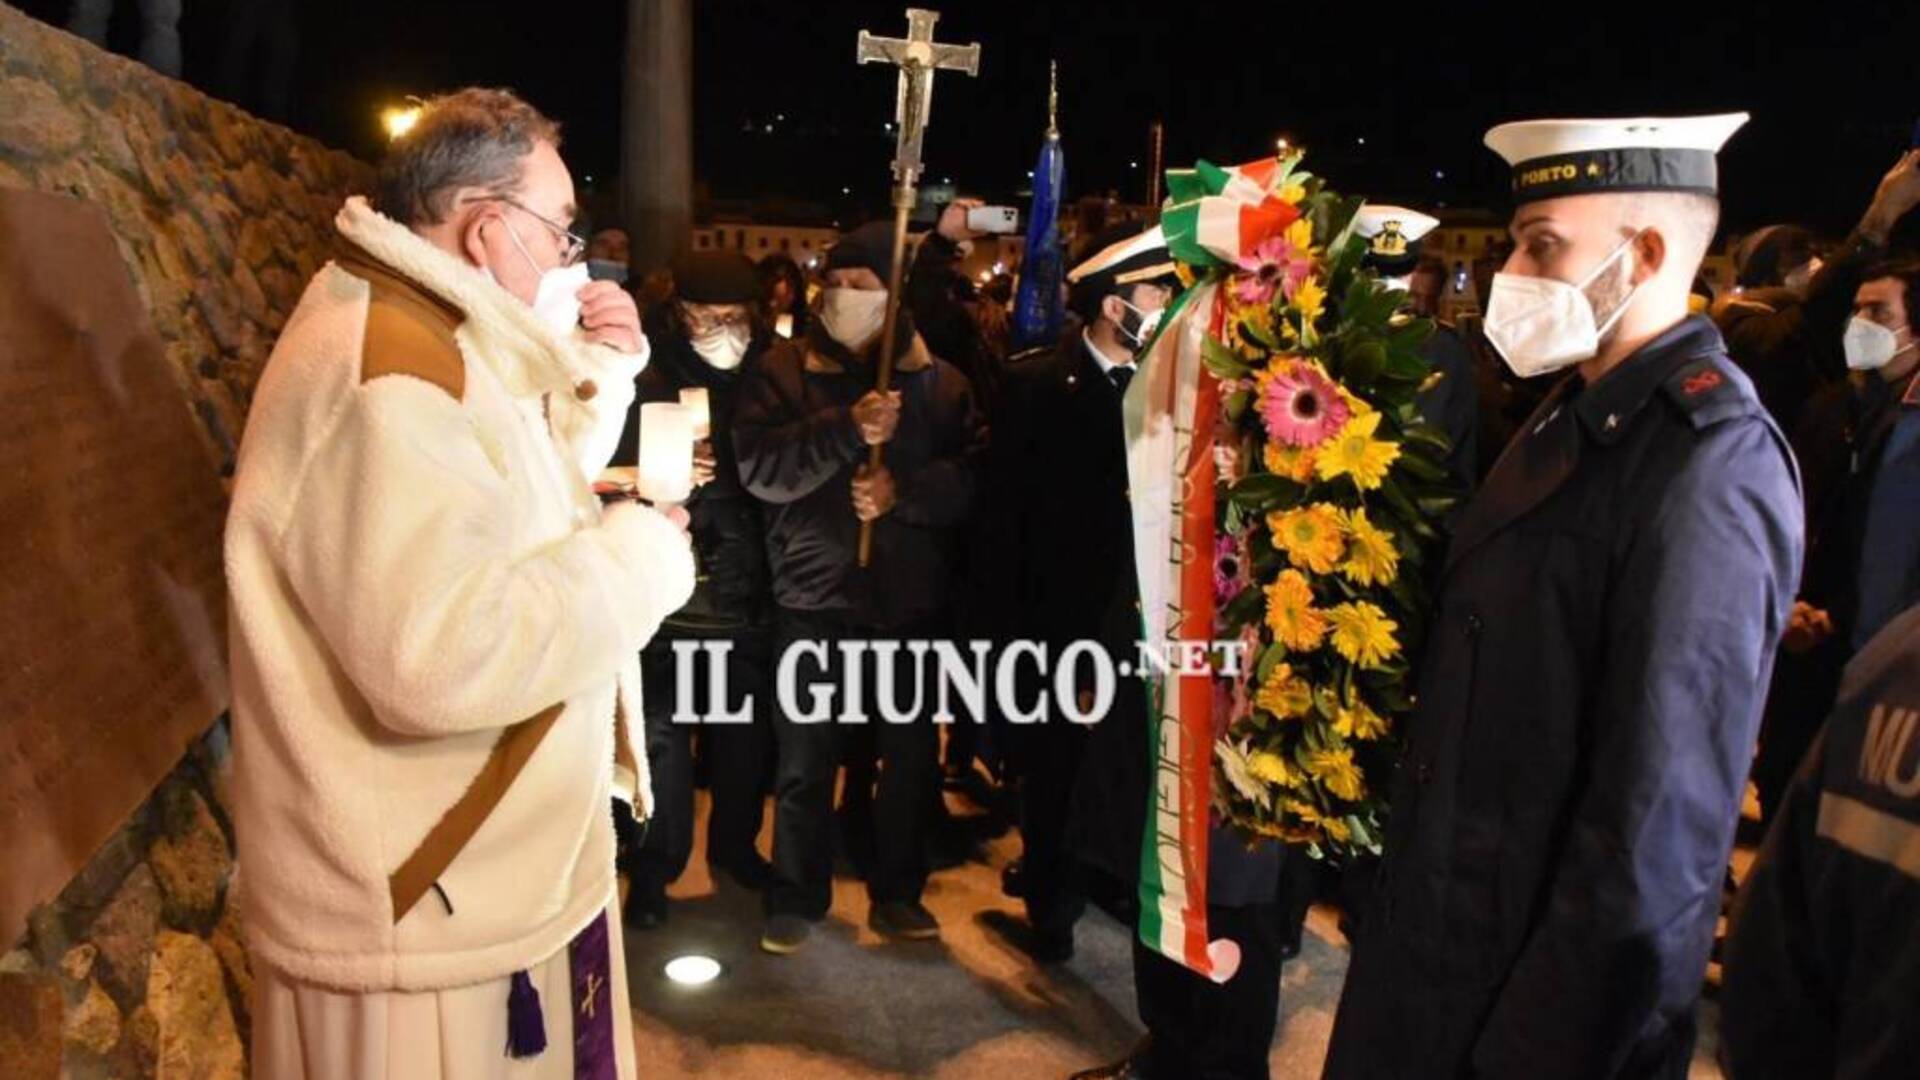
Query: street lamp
point(399, 119)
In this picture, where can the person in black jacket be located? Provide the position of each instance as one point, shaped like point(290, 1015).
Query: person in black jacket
point(1823, 959)
point(806, 419)
point(705, 336)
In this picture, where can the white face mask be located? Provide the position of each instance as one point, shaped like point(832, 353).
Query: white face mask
point(1545, 324)
point(723, 347)
point(1870, 346)
point(853, 317)
point(556, 301)
point(1146, 323)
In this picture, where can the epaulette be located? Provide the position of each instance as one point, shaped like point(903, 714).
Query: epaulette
point(1709, 390)
point(1029, 354)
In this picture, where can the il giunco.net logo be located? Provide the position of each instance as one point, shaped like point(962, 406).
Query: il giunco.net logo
point(897, 681)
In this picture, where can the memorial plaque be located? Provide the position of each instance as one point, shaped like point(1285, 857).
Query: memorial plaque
point(112, 601)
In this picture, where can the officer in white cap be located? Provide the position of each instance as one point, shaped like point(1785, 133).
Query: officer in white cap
point(1599, 650)
point(1452, 402)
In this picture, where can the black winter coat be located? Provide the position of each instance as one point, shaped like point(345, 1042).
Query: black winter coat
point(1588, 702)
point(798, 448)
point(732, 586)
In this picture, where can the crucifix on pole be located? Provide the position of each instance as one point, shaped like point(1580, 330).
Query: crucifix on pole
point(917, 56)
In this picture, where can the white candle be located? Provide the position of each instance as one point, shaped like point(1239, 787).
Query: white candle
point(695, 399)
point(666, 452)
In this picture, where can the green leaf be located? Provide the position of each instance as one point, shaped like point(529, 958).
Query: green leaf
point(1222, 361)
point(1243, 609)
point(1265, 491)
point(1420, 467)
point(1363, 363)
point(1237, 403)
point(1271, 657)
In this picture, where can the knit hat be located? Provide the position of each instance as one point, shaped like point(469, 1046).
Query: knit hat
point(715, 277)
point(870, 246)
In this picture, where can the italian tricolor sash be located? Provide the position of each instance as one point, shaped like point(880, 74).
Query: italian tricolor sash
point(1169, 411)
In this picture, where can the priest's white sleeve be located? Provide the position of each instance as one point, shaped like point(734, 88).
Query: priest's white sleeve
point(400, 544)
point(590, 428)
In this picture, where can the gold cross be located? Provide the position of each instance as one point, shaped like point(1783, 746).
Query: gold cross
point(594, 984)
point(917, 56)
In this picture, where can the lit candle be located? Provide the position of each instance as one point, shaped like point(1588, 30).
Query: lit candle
point(783, 325)
point(666, 452)
point(695, 399)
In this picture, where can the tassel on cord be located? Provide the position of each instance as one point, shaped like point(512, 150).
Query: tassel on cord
point(526, 1027)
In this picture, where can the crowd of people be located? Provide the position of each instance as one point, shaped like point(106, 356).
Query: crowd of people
point(1623, 590)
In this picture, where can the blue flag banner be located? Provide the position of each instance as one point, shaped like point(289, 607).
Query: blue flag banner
point(1037, 307)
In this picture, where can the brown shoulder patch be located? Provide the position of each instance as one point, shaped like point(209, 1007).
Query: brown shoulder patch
point(403, 339)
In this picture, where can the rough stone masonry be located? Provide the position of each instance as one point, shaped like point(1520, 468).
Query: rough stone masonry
point(138, 968)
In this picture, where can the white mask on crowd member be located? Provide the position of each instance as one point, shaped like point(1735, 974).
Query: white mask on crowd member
point(1545, 324)
point(723, 347)
point(1870, 346)
point(853, 317)
point(1144, 323)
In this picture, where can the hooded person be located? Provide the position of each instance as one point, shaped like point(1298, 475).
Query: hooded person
point(806, 419)
point(704, 336)
point(435, 629)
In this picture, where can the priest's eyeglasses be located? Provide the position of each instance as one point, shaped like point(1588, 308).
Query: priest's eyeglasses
point(572, 244)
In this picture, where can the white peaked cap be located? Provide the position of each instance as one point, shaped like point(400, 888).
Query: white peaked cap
point(1525, 140)
point(1151, 243)
point(1373, 219)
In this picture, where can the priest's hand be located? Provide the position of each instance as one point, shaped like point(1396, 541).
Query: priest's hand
point(877, 416)
point(873, 492)
point(703, 462)
point(610, 316)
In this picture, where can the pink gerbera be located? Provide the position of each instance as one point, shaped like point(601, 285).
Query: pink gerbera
point(1230, 572)
point(1301, 407)
point(1275, 265)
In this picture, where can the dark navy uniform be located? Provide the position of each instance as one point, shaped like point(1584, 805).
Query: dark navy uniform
point(1823, 963)
point(1587, 709)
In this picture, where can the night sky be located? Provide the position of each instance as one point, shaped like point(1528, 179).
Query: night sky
point(1832, 87)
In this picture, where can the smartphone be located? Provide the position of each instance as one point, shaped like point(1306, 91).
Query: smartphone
point(993, 219)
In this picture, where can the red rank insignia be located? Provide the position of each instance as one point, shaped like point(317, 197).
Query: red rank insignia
point(1701, 383)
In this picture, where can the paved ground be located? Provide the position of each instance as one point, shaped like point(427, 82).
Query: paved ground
point(851, 1006)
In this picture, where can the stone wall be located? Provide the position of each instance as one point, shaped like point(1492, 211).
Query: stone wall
point(137, 969)
point(221, 217)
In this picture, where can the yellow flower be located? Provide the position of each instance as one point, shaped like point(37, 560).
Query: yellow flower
point(1309, 298)
point(1295, 622)
point(1310, 535)
point(1292, 194)
point(1284, 694)
point(1300, 235)
point(1337, 830)
point(1356, 453)
point(1271, 768)
point(1363, 634)
point(1371, 557)
point(1293, 462)
point(1336, 772)
point(1185, 274)
point(1258, 319)
point(1356, 406)
point(1359, 722)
